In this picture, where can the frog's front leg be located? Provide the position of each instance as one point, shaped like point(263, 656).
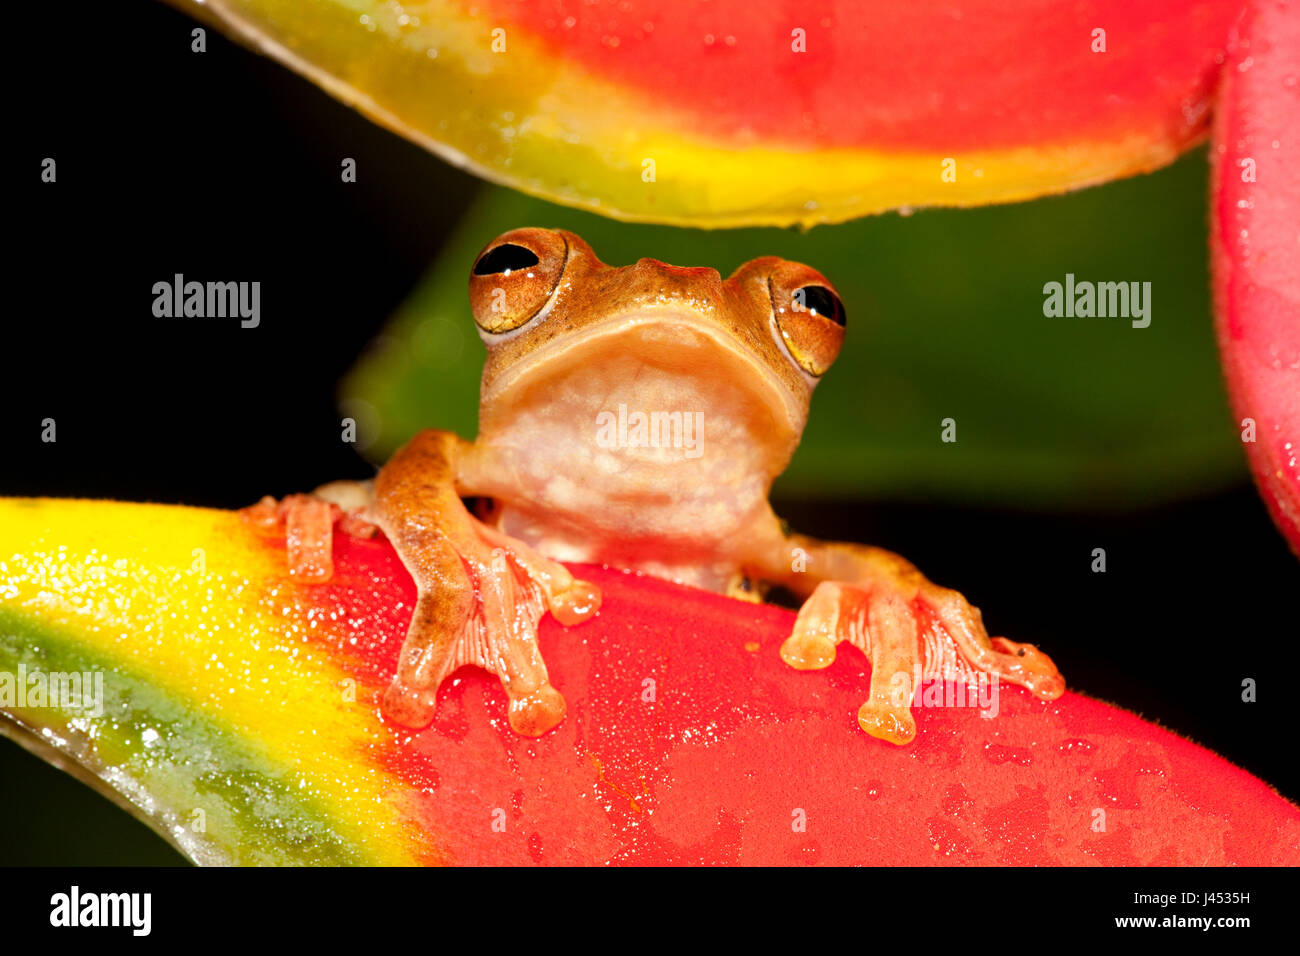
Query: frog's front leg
point(480, 592)
point(909, 628)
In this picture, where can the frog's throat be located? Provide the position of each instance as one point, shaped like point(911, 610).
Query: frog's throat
point(658, 333)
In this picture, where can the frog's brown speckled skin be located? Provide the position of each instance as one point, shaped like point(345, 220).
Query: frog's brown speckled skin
point(573, 343)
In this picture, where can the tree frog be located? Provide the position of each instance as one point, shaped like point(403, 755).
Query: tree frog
point(635, 416)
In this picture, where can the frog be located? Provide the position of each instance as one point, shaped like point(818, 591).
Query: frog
point(634, 416)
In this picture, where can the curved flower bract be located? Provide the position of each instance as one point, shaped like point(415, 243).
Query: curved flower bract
point(235, 710)
point(741, 113)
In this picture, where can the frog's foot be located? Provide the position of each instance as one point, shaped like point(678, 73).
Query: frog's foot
point(480, 596)
point(307, 523)
point(910, 630)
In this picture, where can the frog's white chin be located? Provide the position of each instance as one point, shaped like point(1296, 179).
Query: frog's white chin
point(680, 358)
point(661, 432)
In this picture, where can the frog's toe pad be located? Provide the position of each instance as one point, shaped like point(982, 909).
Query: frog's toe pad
point(533, 714)
point(811, 645)
point(576, 604)
point(888, 721)
point(410, 706)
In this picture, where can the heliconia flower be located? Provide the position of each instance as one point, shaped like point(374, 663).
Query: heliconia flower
point(753, 112)
point(235, 710)
point(1255, 238)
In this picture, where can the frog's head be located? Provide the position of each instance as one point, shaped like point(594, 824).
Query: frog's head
point(563, 328)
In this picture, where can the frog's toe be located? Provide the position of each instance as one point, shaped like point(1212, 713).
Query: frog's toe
point(1026, 665)
point(811, 645)
point(963, 627)
point(410, 705)
point(307, 523)
point(483, 596)
point(887, 721)
point(441, 636)
point(883, 625)
point(533, 714)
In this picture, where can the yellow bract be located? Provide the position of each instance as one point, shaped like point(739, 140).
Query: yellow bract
point(548, 126)
point(196, 602)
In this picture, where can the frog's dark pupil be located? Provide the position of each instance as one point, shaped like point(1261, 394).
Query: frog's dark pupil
point(503, 258)
point(824, 302)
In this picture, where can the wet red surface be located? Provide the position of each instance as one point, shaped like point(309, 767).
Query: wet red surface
point(961, 74)
point(687, 740)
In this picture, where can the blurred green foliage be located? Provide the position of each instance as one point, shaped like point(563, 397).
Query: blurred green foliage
point(55, 819)
point(945, 320)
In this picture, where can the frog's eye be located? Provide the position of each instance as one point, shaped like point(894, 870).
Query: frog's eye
point(820, 300)
point(514, 276)
point(505, 258)
point(809, 315)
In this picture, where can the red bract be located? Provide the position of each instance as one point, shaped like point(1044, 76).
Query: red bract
point(1256, 248)
point(234, 689)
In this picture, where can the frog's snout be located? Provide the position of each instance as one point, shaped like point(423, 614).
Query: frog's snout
point(688, 281)
point(694, 273)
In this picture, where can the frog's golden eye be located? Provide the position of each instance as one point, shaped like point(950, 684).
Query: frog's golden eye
point(809, 315)
point(514, 277)
point(505, 259)
point(820, 300)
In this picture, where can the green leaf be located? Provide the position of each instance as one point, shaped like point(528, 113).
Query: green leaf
point(945, 321)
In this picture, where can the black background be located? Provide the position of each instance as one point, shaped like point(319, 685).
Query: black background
point(226, 165)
